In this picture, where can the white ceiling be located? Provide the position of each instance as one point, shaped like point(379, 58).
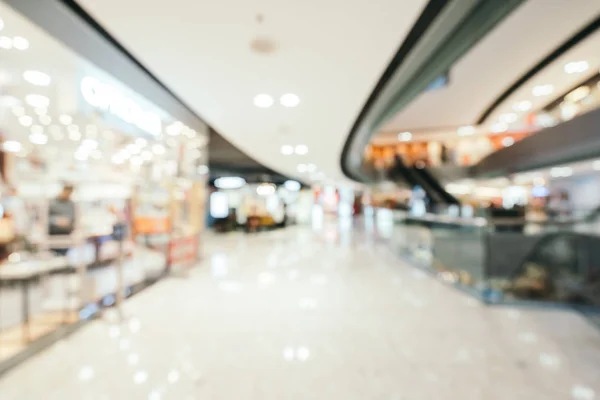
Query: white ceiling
point(520, 42)
point(330, 53)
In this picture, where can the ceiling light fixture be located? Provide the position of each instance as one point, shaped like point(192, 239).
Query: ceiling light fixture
point(466, 130)
point(25, 120)
point(302, 168)
point(508, 118)
point(524, 105)
point(404, 136)
point(20, 43)
point(65, 119)
point(266, 189)
point(289, 100)
point(229, 182)
point(499, 127)
point(311, 167)
point(576, 67)
point(37, 78)
point(287, 150)
point(542, 90)
point(301, 149)
point(37, 100)
point(6, 43)
point(263, 101)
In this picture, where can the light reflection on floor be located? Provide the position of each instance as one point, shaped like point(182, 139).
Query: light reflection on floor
point(323, 313)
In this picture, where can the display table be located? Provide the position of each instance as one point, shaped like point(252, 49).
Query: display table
point(37, 296)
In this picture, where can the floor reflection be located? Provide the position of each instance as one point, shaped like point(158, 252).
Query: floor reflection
point(325, 312)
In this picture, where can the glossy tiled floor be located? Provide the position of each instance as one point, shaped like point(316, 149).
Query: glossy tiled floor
point(295, 315)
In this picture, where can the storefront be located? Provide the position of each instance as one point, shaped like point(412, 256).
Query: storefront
point(236, 204)
point(102, 191)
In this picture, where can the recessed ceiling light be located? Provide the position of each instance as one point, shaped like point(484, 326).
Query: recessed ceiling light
point(311, 167)
point(508, 141)
point(289, 100)
point(6, 43)
point(522, 106)
point(263, 101)
point(12, 146)
point(37, 100)
point(499, 127)
point(65, 119)
point(287, 149)
point(466, 130)
point(404, 136)
point(301, 149)
point(578, 94)
point(37, 78)
point(302, 168)
point(20, 43)
point(542, 90)
point(576, 67)
point(25, 120)
point(508, 118)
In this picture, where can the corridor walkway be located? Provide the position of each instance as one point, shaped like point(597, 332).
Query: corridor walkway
point(303, 315)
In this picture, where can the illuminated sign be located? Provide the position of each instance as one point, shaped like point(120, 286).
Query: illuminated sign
point(108, 99)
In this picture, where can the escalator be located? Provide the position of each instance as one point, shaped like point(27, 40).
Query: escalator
point(433, 183)
point(423, 178)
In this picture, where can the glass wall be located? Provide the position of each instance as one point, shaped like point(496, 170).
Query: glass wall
point(102, 192)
